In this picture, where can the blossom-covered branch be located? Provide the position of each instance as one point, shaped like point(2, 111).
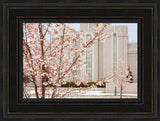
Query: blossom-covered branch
point(55, 54)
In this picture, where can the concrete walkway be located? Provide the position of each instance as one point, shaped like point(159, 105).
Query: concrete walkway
point(98, 93)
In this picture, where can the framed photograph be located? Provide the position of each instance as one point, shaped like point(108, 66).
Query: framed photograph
point(72, 60)
point(83, 61)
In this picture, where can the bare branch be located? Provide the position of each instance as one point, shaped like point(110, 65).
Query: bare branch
point(46, 30)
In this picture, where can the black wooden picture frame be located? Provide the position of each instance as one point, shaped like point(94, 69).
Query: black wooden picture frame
point(145, 13)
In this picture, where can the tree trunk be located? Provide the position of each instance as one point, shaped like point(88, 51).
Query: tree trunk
point(54, 92)
point(43, 87)
point(36, 91)
point(35, 87)
point(42, 57)
point(121, 92)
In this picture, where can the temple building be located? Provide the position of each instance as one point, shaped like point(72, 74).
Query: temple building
point(103, 60)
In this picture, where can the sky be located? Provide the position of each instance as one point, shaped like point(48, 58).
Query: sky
point(132, 30)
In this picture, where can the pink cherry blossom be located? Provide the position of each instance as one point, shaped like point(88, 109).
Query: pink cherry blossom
point(120, 77)
point(51, 56)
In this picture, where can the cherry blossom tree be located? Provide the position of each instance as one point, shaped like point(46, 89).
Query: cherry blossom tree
point(54, 53)
point(121, 77)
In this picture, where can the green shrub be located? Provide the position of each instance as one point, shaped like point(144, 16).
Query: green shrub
point(73, 84)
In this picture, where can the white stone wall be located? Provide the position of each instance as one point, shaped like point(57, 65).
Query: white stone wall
point(132, 59)
point(102, 59)
point(121, 33)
